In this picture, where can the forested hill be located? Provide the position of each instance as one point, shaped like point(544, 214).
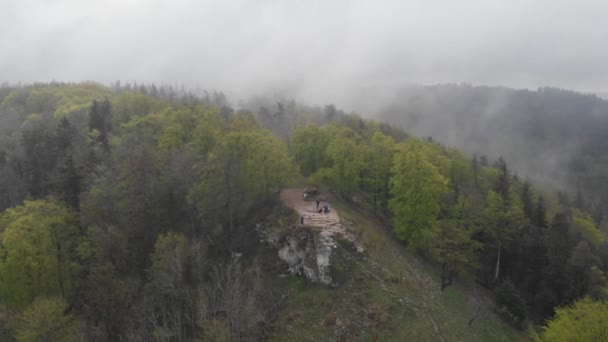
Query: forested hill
point(551, 135)
point(139, 213)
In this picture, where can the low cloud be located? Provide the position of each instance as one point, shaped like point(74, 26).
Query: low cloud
point(320, 51)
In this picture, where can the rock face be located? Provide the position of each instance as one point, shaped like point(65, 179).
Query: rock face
point(308, 252)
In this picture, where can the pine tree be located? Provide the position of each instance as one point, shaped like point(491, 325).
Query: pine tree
point(503, 182)
point(526, 200)
point(71, 184)
point(100, 120)
point(475, 165)
point(540, 213)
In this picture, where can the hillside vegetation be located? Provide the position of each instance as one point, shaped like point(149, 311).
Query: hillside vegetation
point(138, 213)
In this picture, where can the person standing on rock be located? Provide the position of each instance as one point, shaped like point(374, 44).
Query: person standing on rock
point(318, 201)
point(302, 220)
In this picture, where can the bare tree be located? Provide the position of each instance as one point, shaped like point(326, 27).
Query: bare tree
point(232, 293)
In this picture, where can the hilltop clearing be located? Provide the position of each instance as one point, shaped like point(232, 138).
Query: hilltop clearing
point(382, 294)
point(313, 214)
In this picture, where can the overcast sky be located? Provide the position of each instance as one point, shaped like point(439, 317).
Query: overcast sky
point(316, 48)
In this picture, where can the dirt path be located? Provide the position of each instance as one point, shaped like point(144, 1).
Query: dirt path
point(329, 222)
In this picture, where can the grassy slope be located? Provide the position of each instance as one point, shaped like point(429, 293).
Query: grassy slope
point(389, 295)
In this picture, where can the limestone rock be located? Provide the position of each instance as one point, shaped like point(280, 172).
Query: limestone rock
point(308, 252)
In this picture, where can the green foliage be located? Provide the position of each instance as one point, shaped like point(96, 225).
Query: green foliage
point(584, 278)
point(142, 129)
point(45, 320)
point(178, 127)
point(377, 167)
point(585, 320)
point(130, 105)
point(507, 298)
point(209, 128)
point(32, 119)
point(167, 289)
point(100, 119)
point(344, 155)
point(78, 98)
point(503, 218)
point(455, 246)
point(258, 161)
point(168, 266)
point(107, 301)
point(309, 144)
point(60, 101)
point(587, 227)
point(243, 169)
point(37, 245)
point(417, 188)
point(461, 173)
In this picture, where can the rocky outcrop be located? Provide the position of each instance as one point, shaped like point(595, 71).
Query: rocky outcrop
point(308, 252)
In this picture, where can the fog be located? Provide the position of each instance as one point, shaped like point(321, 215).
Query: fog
point(320, 51)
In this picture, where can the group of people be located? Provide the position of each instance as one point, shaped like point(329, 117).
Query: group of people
point(324, 209)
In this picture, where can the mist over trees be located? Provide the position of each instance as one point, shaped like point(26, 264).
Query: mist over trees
point(551, 135)
point(132, 212)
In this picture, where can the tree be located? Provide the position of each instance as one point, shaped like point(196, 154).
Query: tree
point(509, 300)
point(526, 200)
point(100, 120)
point(309, 144)
point(243, 170)
point(475, 167)
point(109, 245)
point(178, 128)
point(71, 151)
point(503, 182)
point(503, 219)
point(455, 248)
point(461, 175)
point(37, 249)
point(585, 225)
point(330, 112)
point(39, 156)
point(417, 187)
point(168, 290)
point(209, 128)
point(528, 253)
point(585, 320)
point(107, 302)
point(344, 156)
point(45, 320)
point(232, 291)
point(559, 246)
point(70, 184)
point(540, 213)
point(378, 167)
point(65, 134)
point(579, 269)
point(136, 200)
